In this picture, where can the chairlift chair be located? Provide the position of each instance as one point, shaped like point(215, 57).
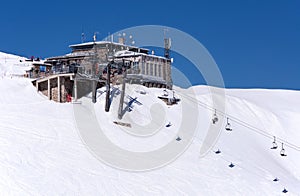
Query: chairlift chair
point(228, 126)
point(218, 151)
point(231, 165)
point(282, 152)
point(274, 144)
point(285, 190)
point(215, 117)
point(169, 124)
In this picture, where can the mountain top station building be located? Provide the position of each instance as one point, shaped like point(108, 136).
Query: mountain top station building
point(90, 59)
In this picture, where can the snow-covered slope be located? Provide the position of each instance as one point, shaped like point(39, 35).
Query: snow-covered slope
point(13, 65)
point(42, 152)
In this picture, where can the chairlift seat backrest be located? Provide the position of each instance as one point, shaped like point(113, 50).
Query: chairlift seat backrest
point(274, 144)
point(285, 191)
point(228, 126)
point(282, 152)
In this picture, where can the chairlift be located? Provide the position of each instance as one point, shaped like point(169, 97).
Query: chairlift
point(215, 117)
point(276, 180)
point(169, 124)
point(282, 152)
point(218, 151)
point(178, 139)
point(231, 165)
point(284, 190)
point(228, 126)
point(274, 144)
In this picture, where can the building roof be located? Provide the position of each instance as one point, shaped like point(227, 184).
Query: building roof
point(127, 53)
point(90, 44)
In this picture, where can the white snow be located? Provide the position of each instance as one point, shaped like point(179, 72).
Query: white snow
point(42, 152)
point(13, 65)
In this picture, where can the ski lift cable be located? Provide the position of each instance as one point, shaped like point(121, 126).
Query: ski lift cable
point(243, 123)
point(236, 164)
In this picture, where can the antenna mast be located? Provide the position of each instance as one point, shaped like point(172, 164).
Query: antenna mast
point(167, 44)
point(82, 35)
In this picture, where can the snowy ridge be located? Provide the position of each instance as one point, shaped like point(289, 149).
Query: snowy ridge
point(42, 152)
point(13, 65)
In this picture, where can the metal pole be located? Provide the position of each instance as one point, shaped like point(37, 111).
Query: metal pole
point(75, 89)
point(122, 92)
point(94, 92)
point(49, 89)
point(58, 89)
point(107, 103)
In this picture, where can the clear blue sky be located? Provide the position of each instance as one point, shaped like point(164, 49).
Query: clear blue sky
point(256, 44)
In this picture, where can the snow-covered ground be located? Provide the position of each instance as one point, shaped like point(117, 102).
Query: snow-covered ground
point(42, 152)
point(13, 65)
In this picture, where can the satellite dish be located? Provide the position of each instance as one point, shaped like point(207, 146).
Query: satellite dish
point(124, 34)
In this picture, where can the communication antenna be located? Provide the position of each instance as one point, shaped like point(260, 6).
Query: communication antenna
point(95, 36)
point(132, 42)
point(82, 35)
point(122, 38)
point(167, 44)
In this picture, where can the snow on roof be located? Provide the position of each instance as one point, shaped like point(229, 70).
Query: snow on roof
point(97, 43)
point(104, 42)
point(127, 53)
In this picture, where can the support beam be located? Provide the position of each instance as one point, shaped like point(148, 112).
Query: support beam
point(94, 92)
point(120, 112)
point(49, 90)
point(37, 86)
point(58, 89)
point(107, 100)
point(75, 89)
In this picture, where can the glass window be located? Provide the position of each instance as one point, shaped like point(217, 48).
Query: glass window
point(151, 69)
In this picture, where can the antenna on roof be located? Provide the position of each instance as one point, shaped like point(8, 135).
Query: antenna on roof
point(122, 38)
point(167, 44)
point(110, 37)
point(82, 35)
point(95, 36)
point(132, 42)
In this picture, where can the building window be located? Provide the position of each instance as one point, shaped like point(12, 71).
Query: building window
point(147, 69)
point(143, 68)
point(151, 69)
point(159, 70)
